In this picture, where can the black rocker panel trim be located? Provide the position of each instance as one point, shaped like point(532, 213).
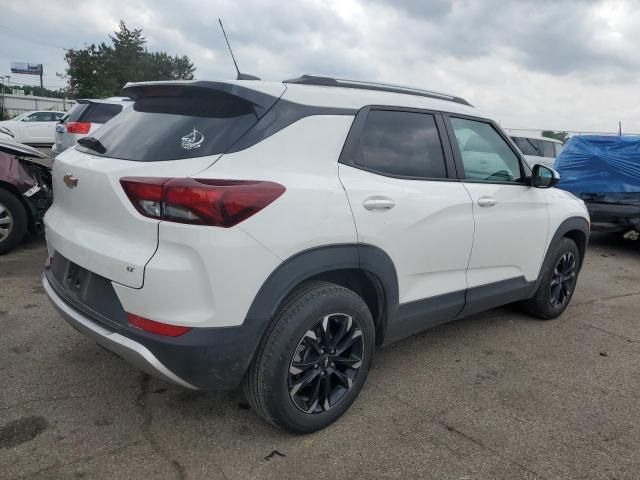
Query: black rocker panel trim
point(496, 294)
point(420, 315)
point(414, 317)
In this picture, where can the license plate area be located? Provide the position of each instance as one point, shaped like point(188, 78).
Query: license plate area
point(89, 292)
point(76, 281)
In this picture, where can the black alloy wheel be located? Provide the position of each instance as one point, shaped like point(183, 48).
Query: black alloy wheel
point(314, 358)
point(326, 363)
point(563, 280)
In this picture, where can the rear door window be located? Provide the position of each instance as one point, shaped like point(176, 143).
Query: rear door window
point(194, 122)
point(401, 143)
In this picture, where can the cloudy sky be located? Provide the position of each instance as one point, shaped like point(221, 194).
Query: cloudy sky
point(553, 64)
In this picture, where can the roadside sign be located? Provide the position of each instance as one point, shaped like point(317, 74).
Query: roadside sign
point(26, 68)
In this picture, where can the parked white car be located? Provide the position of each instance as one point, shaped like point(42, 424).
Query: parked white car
point(275, 234)
point(33, 128)
point(540, 150)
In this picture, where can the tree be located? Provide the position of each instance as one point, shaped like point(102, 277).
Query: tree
point(562, 136)
point(102, 70)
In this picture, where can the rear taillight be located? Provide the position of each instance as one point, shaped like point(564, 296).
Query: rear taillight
point(221, 203)
point(78, 127)
point(156, 327)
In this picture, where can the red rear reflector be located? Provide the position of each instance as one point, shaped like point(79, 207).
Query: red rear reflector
point(221, 203)
point(156, 327)
point(78, 127)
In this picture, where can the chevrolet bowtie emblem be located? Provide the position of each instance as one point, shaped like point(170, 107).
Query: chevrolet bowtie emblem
point(70, 181)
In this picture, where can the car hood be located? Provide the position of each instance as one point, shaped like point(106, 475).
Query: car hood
point(19, 149)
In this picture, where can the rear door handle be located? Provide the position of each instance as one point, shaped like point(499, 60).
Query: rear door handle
point(487, 201)
point(378, 203)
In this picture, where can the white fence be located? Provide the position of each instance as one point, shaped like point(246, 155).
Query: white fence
point(17, 104)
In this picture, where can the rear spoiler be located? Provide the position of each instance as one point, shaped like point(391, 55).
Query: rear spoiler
point(262, 95)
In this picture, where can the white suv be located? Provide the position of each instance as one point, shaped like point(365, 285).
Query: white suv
point(540, 150)
point(276, 234)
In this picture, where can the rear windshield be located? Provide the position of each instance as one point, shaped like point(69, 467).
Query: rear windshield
point(75, 112)
point(194, 122)
point(95, 112)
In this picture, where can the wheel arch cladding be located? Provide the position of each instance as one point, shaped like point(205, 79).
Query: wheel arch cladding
point(576, 229)
point(365, 269)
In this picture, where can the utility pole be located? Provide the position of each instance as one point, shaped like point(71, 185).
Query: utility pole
point(2, 107)
point(2, 77)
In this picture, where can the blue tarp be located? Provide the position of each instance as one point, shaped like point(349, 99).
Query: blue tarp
point(594, 164)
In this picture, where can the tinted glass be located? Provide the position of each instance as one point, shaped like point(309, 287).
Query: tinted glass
point(547, 149)
point(99, 112)
point(40, 117)
point(76, 111)
point(558, 148)
point(485, 154)
point(529, 146)
point(401, 143)
point(194, 123)
point(56, 116)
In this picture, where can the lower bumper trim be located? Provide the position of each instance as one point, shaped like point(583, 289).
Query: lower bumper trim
point(129, 350)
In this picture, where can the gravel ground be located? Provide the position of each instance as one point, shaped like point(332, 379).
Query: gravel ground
point(497, 395)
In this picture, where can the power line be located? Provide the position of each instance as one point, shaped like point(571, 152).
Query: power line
point(38, 42)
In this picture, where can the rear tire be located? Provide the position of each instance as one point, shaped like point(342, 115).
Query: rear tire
point(313, 360)
point(13, 221)
point(559, 278)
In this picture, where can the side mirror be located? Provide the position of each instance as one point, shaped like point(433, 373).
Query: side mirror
point(544, 177)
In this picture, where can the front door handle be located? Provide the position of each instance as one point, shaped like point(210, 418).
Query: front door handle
point(378, 203)
point(487, 201)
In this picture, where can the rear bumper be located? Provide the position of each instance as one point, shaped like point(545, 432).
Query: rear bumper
point(129, 350)
point(203, 358)
point(614, 217)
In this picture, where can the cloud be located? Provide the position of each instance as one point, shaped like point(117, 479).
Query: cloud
point(567, 64)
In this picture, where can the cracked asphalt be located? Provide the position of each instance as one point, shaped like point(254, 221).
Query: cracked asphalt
point(497, 395)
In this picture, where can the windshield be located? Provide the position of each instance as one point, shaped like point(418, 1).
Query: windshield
point(20, 116)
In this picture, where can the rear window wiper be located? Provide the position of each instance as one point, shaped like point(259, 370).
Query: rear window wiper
point(92, 143)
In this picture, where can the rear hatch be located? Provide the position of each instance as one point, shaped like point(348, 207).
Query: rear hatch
point(173, 130)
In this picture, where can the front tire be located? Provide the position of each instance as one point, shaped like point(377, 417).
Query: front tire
point(13, 221)
point(559, 278)
point(313, 360)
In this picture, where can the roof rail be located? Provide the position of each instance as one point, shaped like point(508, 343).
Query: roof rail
point(381, 87)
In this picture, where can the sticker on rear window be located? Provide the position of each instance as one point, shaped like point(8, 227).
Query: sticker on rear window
point(193, 140)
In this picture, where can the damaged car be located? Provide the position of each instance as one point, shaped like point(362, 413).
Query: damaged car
point(604, 171)
point(25, 192)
